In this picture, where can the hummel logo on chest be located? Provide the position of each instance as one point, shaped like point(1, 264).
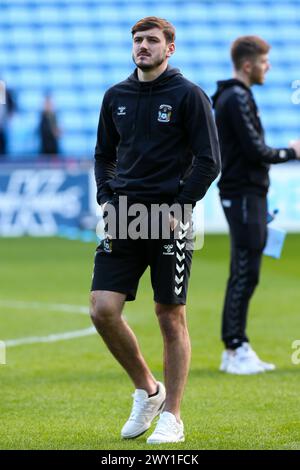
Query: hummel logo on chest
point(121, 111)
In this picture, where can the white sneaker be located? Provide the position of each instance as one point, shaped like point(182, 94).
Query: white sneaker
point(143, 412)
point(224, 361)
point(265, 365)
point(167, 430)
point(241, 362)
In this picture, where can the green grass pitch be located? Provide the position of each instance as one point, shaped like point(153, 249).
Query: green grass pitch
point(72, 394)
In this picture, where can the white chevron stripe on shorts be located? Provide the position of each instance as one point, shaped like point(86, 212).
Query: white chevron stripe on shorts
point(180, 257)
point(178, 290)
point(180, 245)
point(179, 281)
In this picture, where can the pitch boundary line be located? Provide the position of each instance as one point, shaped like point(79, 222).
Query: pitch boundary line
point(66, 308)
point(51, 338)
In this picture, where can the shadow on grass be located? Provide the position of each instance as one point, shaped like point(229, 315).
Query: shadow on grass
point(216, 374)
point(135, 444)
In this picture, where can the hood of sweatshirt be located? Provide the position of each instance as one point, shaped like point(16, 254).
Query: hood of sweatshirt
point(147, 87)
point(161, 80)
point(223, 85)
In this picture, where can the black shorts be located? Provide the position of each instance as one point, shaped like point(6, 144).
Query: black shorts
point(120, 263)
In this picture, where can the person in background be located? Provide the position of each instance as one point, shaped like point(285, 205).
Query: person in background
point(48, 129)
point(7, 108)
point(243, 185)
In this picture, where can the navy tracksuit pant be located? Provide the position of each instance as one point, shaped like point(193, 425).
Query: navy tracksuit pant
point(247, 219)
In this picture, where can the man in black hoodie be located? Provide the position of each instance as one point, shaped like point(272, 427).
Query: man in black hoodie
point(243, 188)
point(157, 143)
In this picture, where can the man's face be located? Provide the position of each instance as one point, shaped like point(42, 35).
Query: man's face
point(150, 49)
point(258, 69)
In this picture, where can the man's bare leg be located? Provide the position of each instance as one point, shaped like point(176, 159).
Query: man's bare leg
point(177, 353)
point(106, 314)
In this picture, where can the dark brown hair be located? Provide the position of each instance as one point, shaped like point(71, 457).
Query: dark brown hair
point(247, 48)
point(153, 22)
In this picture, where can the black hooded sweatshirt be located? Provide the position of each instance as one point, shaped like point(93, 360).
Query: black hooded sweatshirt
point(156, 141)
point(245, 156)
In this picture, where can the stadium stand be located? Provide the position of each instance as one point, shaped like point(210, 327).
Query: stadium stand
point(77, 49)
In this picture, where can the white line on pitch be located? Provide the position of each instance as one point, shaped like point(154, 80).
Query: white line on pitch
point(50, 338)
point(67, 308)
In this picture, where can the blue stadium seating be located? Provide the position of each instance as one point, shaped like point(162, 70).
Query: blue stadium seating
point(77, 49)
